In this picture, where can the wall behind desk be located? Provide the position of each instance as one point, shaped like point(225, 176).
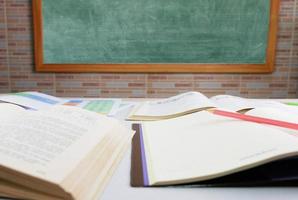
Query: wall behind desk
point(17, 66)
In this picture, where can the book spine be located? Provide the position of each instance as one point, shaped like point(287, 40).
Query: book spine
point(144, 163)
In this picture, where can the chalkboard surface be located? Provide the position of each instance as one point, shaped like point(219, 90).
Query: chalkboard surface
point(155, 31)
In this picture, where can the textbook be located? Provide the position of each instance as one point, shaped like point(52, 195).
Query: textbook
point(190, 102)
point(62, 152)
point(31, 100)
point(210, 150)
point(37, 101)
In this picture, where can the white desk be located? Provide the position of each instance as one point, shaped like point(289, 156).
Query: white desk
point(119, 188)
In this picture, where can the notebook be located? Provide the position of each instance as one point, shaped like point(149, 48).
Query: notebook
point(206, 149)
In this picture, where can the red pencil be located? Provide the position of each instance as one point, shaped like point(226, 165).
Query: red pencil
point(256, 119)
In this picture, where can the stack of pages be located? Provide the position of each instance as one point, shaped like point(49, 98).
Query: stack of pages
point(62, 152)
point(207, 149)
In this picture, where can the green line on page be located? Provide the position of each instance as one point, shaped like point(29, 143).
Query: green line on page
point(292, 103)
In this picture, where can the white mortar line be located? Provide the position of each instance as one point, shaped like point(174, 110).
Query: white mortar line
point(292, 47)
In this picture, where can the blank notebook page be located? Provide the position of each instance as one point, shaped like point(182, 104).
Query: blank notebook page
point(202, 145)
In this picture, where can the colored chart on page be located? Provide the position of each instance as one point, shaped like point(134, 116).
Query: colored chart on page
point(73, 102)
point(292, 103)
point(38, 97)
point(100, 106)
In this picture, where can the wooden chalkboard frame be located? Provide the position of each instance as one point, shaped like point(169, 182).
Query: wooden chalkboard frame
point(268, 67)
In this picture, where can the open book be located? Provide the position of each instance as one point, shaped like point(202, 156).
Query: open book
point(206, 149)
point(31, 100)
point(38, 101)
point(63, 152)
point(194, 101)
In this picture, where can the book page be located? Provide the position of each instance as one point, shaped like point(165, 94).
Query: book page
point(32, 100)
point(49, 144)
point(201, 146)
point(103, 106)
point(8, 107)
point(8, 110)
point(173, 105)
point(238, 103)
point(276, 114)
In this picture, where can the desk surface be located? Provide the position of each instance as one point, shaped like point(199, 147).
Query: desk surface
point(119, 188)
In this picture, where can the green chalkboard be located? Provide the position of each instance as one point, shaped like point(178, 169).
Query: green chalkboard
point(154, 32)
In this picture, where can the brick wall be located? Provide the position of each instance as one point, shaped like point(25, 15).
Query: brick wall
point(17, 66)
